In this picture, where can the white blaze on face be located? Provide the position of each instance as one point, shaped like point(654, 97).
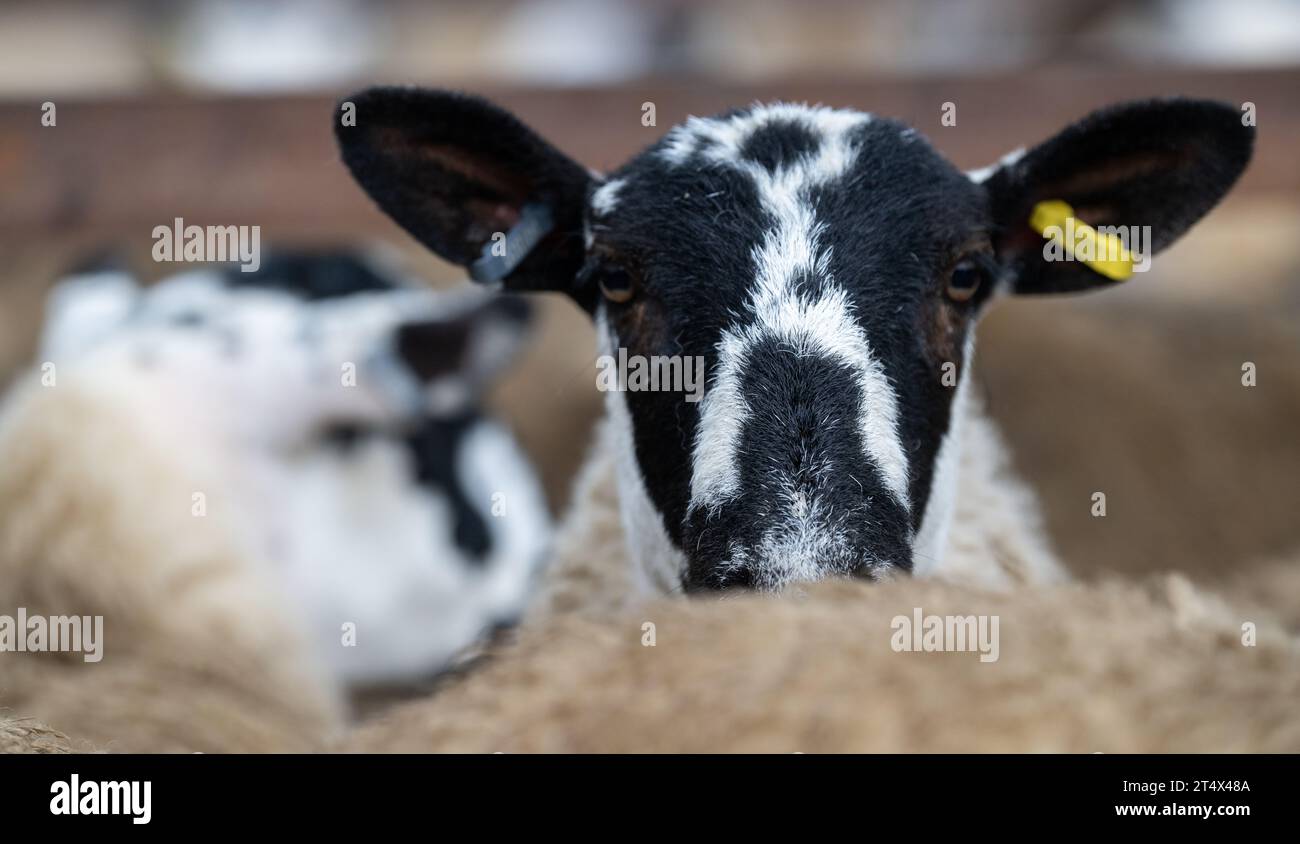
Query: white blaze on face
point(821, 325)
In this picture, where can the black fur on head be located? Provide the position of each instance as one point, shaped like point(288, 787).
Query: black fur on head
point(826, 265)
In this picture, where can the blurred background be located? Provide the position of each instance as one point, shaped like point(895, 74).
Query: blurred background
point(219, 111)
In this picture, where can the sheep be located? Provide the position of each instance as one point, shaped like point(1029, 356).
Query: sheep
point(828, 268)
point(192, 463)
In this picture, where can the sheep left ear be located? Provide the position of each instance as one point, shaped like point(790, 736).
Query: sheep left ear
point(470, 181)
point(1158, 163)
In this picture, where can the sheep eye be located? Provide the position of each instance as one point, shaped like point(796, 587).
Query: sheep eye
point(965, 280)
point(616, 285)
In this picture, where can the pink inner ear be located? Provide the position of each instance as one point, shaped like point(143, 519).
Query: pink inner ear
point(1114, 175)
point(479, 170)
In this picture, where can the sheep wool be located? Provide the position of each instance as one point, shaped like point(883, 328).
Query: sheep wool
point(198, 654)
point(1157, 665)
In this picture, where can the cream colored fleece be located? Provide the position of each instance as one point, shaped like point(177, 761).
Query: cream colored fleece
point(197, 658)
point(198, 655)
point(1152, 666)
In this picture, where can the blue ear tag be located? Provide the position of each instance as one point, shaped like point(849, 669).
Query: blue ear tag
point(499, 259)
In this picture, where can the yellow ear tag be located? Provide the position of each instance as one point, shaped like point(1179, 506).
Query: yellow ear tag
point(1104, 253)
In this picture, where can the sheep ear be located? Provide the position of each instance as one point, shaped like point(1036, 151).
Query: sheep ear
point(1158, 163)
point(456, 356)
point(469, 181)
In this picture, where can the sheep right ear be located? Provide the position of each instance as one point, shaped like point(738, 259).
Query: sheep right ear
point(469, 181)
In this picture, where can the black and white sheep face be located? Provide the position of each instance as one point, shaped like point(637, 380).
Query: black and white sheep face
point(829, 296)
point(825, 265)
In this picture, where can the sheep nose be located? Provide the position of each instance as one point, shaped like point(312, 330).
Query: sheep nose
point(811, 492)
point(874, 558)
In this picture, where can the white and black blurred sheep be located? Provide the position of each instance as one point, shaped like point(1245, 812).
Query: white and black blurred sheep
point(319, 422)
